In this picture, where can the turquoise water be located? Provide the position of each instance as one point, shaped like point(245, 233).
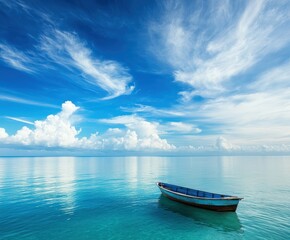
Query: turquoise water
point(116, 198)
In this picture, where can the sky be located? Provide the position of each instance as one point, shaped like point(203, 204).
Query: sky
point(144, 77)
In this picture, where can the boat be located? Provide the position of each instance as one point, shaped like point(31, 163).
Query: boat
point(198, 198)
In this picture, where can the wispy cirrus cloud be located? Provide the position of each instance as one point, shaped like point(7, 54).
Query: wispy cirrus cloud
point(181, 127)
point(64, 50)
point(67, 50)
point(19, 120)
point(271, 80)
point(167, 127)
point(15, 4)
point(258, 115)
point(208, 58)
point(229, 53)
point(150, 110)
point(15, 99)
point(16, 58)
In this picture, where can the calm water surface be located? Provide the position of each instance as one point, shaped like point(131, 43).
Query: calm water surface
point(116, 198)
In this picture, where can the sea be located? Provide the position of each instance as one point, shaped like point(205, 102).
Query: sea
point(47, 198)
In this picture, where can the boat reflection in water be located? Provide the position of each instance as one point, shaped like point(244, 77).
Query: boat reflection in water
point(226, 221)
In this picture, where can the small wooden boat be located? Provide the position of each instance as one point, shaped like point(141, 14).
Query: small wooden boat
point(201, 199)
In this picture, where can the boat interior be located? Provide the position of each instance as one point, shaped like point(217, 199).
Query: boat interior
point(191, 192)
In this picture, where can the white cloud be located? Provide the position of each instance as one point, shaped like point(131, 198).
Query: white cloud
point(224, 147)
point(59, 131)
point(140, 108)
point(274, 79)
point(258, 115)
point(257, 118)
point(15, 4)
point(222, 58)
point(250, 41)
point(59, 49)
point(223, 144)
point(68, 50)
point(144, 134)
point(249, 118)
point(15, 58)
point(54, 131)
point(180, 127)
point(3, 133)
point(19, 120)
point(135, 123)
point(10, 98)
point(207, 59)
point(131, 140)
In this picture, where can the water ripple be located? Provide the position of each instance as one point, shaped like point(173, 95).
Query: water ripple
point(116, 198)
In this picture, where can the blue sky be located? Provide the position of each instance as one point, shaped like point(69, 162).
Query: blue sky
point(172, 77)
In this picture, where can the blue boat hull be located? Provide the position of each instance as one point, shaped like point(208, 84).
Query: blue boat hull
point(222, 204)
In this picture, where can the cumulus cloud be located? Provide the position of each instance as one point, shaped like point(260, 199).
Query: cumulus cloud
point(133, 133)
point(3, 133)
point(59, 131)
point(223, 144)
point(143, 134)
point(54, 131)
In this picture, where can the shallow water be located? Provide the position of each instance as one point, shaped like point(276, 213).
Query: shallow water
point(116, 198)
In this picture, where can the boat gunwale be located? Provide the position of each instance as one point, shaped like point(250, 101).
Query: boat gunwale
point(205, 198)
